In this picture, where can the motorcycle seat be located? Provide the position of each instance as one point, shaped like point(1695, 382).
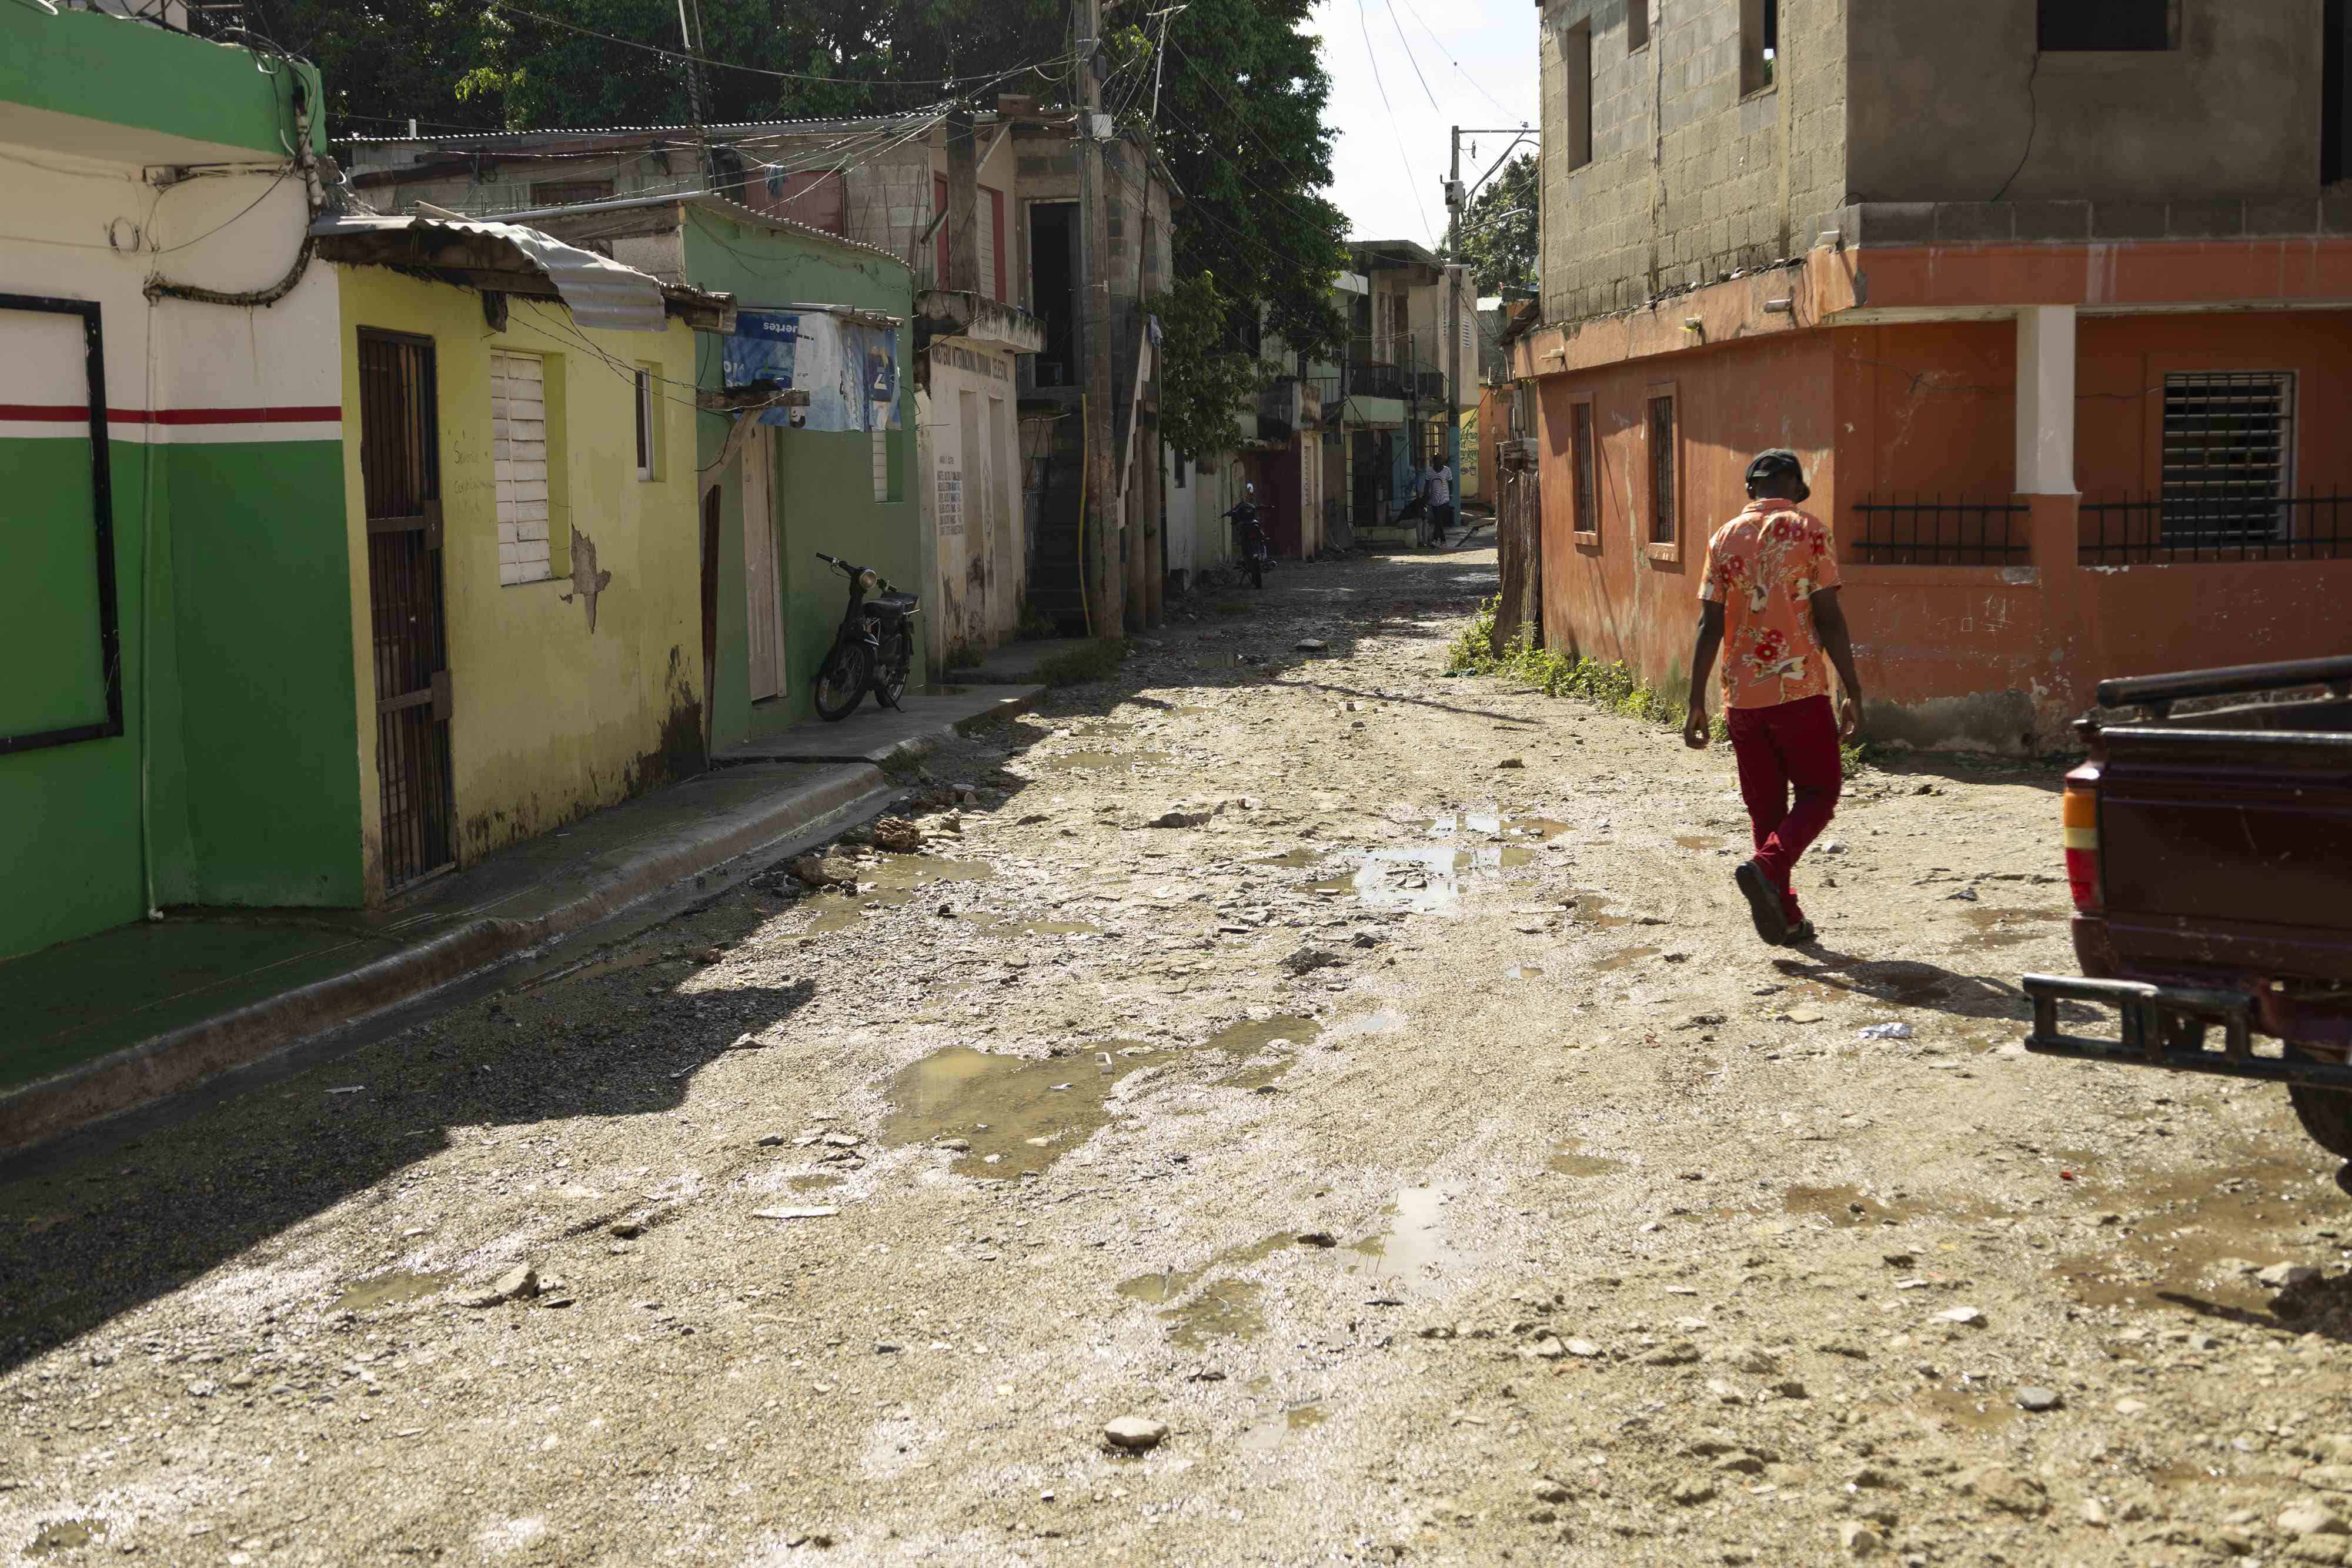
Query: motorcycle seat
point(904, 603)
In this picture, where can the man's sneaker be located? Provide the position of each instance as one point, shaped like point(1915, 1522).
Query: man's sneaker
point(1763, 903)
point(1801, 934)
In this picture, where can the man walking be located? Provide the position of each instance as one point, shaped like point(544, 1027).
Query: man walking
point(1770, 593)
point(1437, 490)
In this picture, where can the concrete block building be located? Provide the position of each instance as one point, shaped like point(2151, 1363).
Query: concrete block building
point(2055, 299)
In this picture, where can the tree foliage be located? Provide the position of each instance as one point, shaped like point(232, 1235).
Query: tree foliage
point(1240, 125)
point(1230, 92)
point(1207, 382)
point(1498, 229)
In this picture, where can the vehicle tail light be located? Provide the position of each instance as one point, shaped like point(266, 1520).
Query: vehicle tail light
point(2081, 814)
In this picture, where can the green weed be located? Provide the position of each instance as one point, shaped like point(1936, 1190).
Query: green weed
point(1558, 674)
point(1094, 661)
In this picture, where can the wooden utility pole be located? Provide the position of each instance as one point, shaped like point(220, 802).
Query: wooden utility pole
point(963, 205)
point(1454, 201)
point(1102, 564)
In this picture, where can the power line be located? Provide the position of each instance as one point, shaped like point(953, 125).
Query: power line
point(1442, 49)
point(1412, 59)
point(1419, 203)
point(684, 57)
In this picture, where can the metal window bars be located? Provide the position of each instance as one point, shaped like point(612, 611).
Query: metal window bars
point(2173, 529)
point(2228, 455)
point(1940, 532)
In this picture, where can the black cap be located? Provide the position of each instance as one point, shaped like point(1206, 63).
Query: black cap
point(1776, 463)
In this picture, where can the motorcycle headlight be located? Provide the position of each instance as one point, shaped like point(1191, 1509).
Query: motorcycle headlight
point(868, 582)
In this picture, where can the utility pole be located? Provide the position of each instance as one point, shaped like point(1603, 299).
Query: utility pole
point(691, 34)
point(1105, 582)
point(1453, 203)
point(1457, 200)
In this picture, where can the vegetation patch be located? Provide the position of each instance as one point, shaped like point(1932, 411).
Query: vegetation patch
point(1096, 661)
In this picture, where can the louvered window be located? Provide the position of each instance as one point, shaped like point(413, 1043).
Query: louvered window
point(2229, 455)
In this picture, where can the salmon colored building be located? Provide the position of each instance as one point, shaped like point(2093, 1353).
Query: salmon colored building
point(2092, 425)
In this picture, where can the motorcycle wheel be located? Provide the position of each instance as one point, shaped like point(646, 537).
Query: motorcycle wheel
point(841, 680)
point(890, 682)
point(1257, 572)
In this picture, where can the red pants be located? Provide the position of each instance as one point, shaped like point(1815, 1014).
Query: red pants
point(1789, 746)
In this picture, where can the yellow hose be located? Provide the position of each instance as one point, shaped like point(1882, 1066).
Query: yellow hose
point(1085, 461)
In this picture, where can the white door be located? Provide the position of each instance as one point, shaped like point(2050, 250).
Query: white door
point(764, 597)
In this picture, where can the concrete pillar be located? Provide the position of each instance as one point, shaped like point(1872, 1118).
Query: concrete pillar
point(2045, 400)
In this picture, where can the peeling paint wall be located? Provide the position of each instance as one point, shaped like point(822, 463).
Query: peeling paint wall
point(968, 452)
point(576, 692)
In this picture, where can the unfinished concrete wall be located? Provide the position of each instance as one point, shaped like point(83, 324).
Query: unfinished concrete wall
point(1953, 103)
point(1696, 170)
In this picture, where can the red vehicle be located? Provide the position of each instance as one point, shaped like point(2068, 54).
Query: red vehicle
point(2211, 859)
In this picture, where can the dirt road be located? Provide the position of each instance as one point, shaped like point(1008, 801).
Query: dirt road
point(1370, 1077)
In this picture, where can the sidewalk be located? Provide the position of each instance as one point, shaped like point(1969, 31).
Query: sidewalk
point(132, 1015)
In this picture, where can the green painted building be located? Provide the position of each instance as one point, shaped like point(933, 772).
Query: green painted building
point(177, 723)
point(787, 493)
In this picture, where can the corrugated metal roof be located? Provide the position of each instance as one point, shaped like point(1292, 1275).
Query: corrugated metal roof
point(492, 138)
point(726, 206)
point(599, 292)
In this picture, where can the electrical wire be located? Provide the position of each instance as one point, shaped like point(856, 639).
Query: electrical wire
point(752, 70)
point(1420, 204)
point(1412, 59)
point(1442, 49)
point(283, 175)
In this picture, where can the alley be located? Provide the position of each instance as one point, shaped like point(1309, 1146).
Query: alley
point(1366, 1075)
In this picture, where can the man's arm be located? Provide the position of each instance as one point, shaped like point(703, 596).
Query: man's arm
point(1703, 652)
point(1829, 625)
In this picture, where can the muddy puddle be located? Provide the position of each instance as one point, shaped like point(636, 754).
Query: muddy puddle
point(819, 1182)
point(1494, 825)
point(1279, 1038)
point(1970, 1409)
point(1291, 860)
point(1226, 1307)
point(994, 925)
point(1419, 881)
point(1421, 1242)
point(1698, 841)
point(2200, 1238)
point(889, 883)
point(1592, 908)
point(388, 1289)
point(1101, 761)
point(596, 969)
point(64, 1535)
point(1572, 1160)
point(1841, 1206)
point(1625, 960)
point(1016, 1114)
point(1524, 972)
point(1264, 1435)
point(2009, 927)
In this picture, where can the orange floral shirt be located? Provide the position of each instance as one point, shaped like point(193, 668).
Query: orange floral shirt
point(1764, 568)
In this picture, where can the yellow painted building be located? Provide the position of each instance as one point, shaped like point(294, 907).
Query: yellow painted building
point(525, 560)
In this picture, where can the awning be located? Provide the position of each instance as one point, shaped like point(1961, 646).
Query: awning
point(509, 258)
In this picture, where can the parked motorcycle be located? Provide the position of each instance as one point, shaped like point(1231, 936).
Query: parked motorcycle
point(875, 648)
point(1250, 539)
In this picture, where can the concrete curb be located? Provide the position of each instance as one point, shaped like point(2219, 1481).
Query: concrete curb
point(182, 1058)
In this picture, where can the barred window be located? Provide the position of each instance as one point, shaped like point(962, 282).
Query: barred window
point(2229, 455)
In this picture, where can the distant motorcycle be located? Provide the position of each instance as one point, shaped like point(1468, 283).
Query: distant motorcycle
point(1250, 539)
point(875, 648)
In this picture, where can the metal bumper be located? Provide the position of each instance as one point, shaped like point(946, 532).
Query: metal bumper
point(2167, 1026)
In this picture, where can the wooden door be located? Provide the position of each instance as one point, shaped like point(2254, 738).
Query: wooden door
point(762, 593)
point(400, 472)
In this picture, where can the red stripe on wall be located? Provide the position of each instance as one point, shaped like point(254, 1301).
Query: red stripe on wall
point(78, 413)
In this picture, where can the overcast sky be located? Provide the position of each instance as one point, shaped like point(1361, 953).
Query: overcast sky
point(1478, 59)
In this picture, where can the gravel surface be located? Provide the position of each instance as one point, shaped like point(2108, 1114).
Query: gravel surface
point(1402, 1150)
